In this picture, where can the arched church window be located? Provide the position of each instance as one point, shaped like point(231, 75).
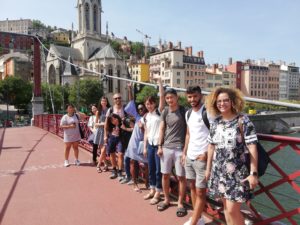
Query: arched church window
point(80, 18)
point(95, 17)
point(91, 67)
point(87, 16)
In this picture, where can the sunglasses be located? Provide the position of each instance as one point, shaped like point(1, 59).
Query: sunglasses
point(117, 98)
point(140, 109)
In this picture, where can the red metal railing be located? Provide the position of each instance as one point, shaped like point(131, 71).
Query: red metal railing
point(278, 182)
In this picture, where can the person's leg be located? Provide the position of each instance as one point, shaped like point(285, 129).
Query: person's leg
point(158, 175)
point(76, 150)
point(181, 194)
point(166, 187)
point(151, 168)
point(166, 161)
point(193, 192)
point(180, 172)
point(127, 166)
point(233, 213)
point(95, 149)
point(102, 155)
point(67, 149)
point(199, 205)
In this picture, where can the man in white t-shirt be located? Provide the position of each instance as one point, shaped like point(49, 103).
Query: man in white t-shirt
point(195, 152)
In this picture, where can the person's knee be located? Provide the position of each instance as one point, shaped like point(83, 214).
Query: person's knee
point(201, 193)
point(166, 176)
point(181, 179)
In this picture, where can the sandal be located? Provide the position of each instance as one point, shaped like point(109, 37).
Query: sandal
point(105, 168)
point(154, 201)
point(99, 170)
point(162, 206)
point(148, 196)
point(181, 212)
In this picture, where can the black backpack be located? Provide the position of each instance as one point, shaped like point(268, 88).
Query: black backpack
point(204, 117)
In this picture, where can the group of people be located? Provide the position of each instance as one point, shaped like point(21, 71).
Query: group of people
point(207, 145)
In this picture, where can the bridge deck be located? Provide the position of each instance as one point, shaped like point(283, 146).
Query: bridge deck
point(37, 189)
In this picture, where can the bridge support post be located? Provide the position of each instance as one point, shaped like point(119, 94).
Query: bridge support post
point(37, 99)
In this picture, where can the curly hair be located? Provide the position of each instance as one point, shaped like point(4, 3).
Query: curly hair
point(235, 95)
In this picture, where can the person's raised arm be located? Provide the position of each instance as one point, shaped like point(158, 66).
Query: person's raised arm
point(161, 95)
point(130, 95)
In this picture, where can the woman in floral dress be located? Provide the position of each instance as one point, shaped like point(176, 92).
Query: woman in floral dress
point(229, 178)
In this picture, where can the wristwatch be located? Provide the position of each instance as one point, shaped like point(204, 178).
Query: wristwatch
point(253, 173)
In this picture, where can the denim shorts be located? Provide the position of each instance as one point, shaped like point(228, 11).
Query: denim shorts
point(114, 144)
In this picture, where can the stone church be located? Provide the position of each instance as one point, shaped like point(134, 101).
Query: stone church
point(89, 49)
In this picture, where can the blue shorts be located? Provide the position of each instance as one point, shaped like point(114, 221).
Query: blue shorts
point(114, 144)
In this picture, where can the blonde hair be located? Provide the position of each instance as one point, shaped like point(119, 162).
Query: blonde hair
point(235, 95)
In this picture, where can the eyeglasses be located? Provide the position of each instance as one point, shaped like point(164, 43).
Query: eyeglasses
point(117, 98)
point(225, 101)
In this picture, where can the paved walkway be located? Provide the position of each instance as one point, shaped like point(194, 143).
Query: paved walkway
point(35, 188)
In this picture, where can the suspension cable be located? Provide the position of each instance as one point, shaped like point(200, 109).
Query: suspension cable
point(101, 75)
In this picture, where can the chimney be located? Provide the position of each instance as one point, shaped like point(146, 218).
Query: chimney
point(170, 45)
point(230, 61)
point(200, 54)
point(191, 51)
point(186, 51)
point(179, 44)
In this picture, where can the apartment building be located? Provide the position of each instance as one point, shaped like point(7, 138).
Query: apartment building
point(21, 26)
point(139, 71)
point(177, 67)
point(289, 82)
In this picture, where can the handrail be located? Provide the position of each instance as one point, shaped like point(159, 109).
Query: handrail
point(266, 192)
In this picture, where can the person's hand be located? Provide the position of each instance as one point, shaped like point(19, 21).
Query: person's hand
point(183, 158)
point(129, 85)
point(73, 125)
point(160, 151)
point(207, 175)
point(140, 124)
point(253, 181)
point(145, 152)
point(97, 125)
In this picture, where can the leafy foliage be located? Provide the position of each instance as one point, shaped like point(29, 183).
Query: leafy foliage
point(15, 91)
point(144, 93)
point(85, 92)
point(56, 93)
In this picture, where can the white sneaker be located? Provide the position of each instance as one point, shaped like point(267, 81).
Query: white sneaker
point(66, 163)
point(77, 162)
point(199, 222)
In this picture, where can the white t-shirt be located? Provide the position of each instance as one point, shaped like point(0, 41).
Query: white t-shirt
point(198, 134)
point(152, 126)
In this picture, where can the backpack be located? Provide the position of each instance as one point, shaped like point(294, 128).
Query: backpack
point(204, 116)
point(111, 110)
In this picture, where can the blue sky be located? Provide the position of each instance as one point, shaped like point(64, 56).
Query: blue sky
point(240, 29)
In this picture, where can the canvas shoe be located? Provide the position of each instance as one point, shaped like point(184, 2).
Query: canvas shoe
point(77, 162)
point(200, 221)
point(113, 175)
point(66, 163)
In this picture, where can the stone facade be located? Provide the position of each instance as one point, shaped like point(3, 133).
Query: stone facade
point(89, 50)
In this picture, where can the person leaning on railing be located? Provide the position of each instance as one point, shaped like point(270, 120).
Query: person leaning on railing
point(70, 124)
point(229, 178)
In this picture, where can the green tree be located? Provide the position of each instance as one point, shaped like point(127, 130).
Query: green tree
point(137, 48)
point(15, 91)
point(145, 92)
point(85, 92)
point(37, 24)
point(115, 45)
point(56, 94)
